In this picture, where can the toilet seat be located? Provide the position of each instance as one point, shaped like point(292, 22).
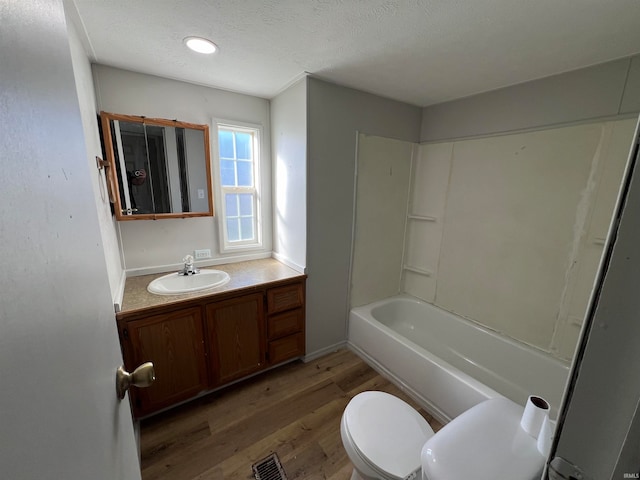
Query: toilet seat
point(386, 433)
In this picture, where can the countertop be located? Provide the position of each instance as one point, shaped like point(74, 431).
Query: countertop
point(243, 275)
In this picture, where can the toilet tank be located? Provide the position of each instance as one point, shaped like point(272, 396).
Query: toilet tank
point(484, 443)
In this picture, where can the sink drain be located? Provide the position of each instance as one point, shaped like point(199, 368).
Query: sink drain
point(269, 468)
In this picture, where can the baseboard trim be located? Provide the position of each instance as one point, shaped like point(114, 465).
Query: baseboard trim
point(324, 351)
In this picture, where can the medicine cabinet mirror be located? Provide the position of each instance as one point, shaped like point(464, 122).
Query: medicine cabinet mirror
point(161, 168)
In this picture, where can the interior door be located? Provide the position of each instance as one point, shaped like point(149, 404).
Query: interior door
point(598, 434)
point(59, 415)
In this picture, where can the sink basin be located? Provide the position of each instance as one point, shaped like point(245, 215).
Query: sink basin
point(174, 284)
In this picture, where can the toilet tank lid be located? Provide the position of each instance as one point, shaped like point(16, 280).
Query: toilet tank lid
point(483, 443)
point(387, 432)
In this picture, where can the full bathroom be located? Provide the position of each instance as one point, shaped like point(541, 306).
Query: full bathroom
point(491, 242)
point(348, 282)
point(501, 231)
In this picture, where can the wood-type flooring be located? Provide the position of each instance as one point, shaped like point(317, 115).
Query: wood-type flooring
point(293, 410)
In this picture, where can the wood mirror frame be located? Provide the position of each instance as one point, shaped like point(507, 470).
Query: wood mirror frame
point(124, 210)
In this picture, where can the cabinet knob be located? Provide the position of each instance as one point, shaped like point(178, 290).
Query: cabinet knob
point(143, 376)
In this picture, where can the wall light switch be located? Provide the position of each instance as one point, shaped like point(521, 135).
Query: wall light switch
point(200, 254)
point(200, 193)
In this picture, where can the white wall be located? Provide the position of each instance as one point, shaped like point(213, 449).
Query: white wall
point(162, 243)
point(593, 94)
point(429, 189)
point(519, 223)
point(602, 403)
point(382, 192)
point(615, 146)
point(289, 141)
point(87, 99)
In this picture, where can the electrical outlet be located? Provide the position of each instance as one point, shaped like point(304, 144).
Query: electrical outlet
point(200, 254)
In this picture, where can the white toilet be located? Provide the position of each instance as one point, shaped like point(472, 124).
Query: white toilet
point(386, 439)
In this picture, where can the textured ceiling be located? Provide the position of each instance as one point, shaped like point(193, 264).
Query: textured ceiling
point(417, 51)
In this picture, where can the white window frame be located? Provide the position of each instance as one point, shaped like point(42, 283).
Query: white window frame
point(257, 131)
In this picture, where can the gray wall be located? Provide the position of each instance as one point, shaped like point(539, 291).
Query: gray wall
point(604, 90)
point(335, 115)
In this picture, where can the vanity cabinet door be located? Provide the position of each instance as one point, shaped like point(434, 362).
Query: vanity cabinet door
point(174, 342)
point(236, 337)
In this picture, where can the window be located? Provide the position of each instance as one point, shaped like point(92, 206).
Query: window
point(239, 172)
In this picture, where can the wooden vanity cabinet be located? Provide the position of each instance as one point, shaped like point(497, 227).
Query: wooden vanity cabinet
point(285, 322)
point(174, 342)
point(209, 342)
point(235, 335)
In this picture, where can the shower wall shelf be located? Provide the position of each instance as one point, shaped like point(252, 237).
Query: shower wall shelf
point(424, 218)
point(418, 270)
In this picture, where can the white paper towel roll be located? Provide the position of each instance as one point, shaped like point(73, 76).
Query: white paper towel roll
point(545, 437)
point(535, 411)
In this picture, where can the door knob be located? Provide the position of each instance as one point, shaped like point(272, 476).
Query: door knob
point(143, 376)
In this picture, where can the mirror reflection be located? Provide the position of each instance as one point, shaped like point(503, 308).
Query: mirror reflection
point(161, 167)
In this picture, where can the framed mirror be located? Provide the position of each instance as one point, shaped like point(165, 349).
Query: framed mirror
point(160, 168)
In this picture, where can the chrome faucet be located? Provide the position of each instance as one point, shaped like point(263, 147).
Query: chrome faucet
point(189, 268)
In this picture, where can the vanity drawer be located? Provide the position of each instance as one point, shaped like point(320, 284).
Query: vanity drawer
point(284, 298)
point(286, 348)
point(285, 323)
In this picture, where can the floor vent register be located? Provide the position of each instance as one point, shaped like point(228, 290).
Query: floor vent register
point(269, 468)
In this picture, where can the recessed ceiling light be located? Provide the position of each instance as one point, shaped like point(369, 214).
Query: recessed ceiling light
point(200, 45)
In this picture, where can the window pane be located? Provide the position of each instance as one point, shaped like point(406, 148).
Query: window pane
point(231, 204)
point(245, 174)
point(237, 178)
point(233, 231)
point(246, 204)
point(227, 173)
point(243, 145)
point(225, 139)
point(247, 228)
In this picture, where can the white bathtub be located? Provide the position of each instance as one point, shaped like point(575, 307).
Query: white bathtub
point(447, 362)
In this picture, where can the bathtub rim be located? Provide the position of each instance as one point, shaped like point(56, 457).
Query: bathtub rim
point(433, 409)
point(471, 323)
point(364, 314)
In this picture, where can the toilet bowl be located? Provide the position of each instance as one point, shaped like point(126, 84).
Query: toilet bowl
point(386, 439)
point(383, 437)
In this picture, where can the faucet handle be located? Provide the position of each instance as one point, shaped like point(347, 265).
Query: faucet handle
point(188, 260)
